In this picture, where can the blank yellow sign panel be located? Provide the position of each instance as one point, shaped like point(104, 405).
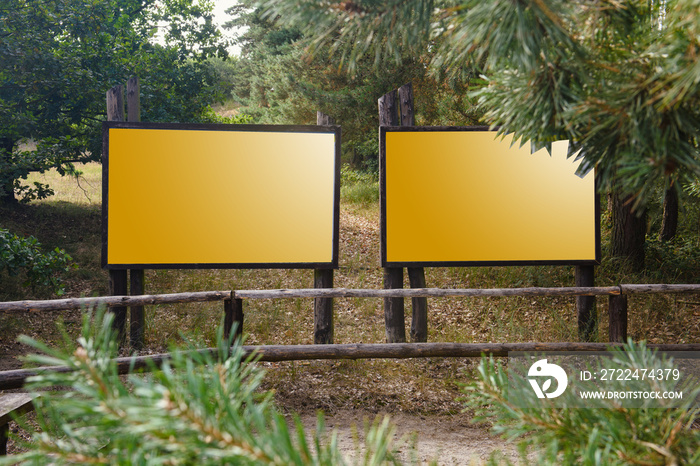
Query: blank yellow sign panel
point(196, 197)
point(473, 197)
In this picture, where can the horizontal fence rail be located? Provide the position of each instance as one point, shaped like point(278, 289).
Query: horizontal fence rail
point(204, 296)
point(115, 301)
point(276, 353)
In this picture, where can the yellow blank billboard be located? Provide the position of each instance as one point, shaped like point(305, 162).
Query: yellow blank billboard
point(460, 196)
point(220, 196)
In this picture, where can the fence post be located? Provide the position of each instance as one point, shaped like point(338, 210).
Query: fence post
point(233, 312)
point(393, 276)
point(323, 278)
point(617, 313)
point(137, 277)
point(585, 305)
point(416, 275)
point(117, 278)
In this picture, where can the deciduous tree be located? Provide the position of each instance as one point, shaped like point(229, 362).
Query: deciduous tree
point(58, 59)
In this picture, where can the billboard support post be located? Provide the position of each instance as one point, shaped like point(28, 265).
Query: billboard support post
point(118, 283)
point(585, 305)
point(393, 276)
point(323, 278)
point(137, 277)
point(416, 275)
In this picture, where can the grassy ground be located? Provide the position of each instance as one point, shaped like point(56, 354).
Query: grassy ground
point(71, 220)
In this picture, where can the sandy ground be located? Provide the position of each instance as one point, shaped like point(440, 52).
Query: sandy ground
point(446, 440)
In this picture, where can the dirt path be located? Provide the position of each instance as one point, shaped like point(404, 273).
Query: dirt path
point(448, 440)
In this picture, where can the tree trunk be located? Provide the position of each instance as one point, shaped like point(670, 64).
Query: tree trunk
point(669, 224)
point(628, 232)
point(7, 190)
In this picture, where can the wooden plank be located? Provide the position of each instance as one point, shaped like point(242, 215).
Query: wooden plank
point(272, 353)
point(617, 313)
point(585, 305)
point(13, 405)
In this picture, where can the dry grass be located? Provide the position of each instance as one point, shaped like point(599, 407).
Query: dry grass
point(71, 220)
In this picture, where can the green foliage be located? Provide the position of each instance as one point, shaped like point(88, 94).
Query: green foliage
point(19, 255)
point(359, 187)
point(277, 80)
point(201, 407)
point(618, 79)
point(608, 434)
point(60, 57)
point(210, 116)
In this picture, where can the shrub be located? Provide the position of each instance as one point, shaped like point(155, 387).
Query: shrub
point(358, 187)
point(609, 433)
point(25, 255)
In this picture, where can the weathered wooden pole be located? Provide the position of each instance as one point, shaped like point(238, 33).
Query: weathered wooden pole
point(416, 275)
point(393, 276)
point(118, 283)
point(585, 305)
point(233, 312)
point(137, 277)
point(617, 313)
point(323, 278)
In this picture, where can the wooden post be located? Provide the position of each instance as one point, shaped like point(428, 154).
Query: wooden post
point(585, 305)
point(137, 321)
point(617, 312)
point(4, 431)
point(115, 104)
point(233, 312)
point(394, 317)
point(133, 99)
point(419, 321)
point(416, 275)
point(323, 278)
point(323, 308)
point(117, 278)
point(118, 285)
point(406, 105)
point(137, 277)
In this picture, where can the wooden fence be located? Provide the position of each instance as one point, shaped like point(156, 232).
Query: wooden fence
point(233, 300)
point(233, 309)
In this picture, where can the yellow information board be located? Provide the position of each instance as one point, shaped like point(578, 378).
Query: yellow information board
point(459, 196)
point(220, 196)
